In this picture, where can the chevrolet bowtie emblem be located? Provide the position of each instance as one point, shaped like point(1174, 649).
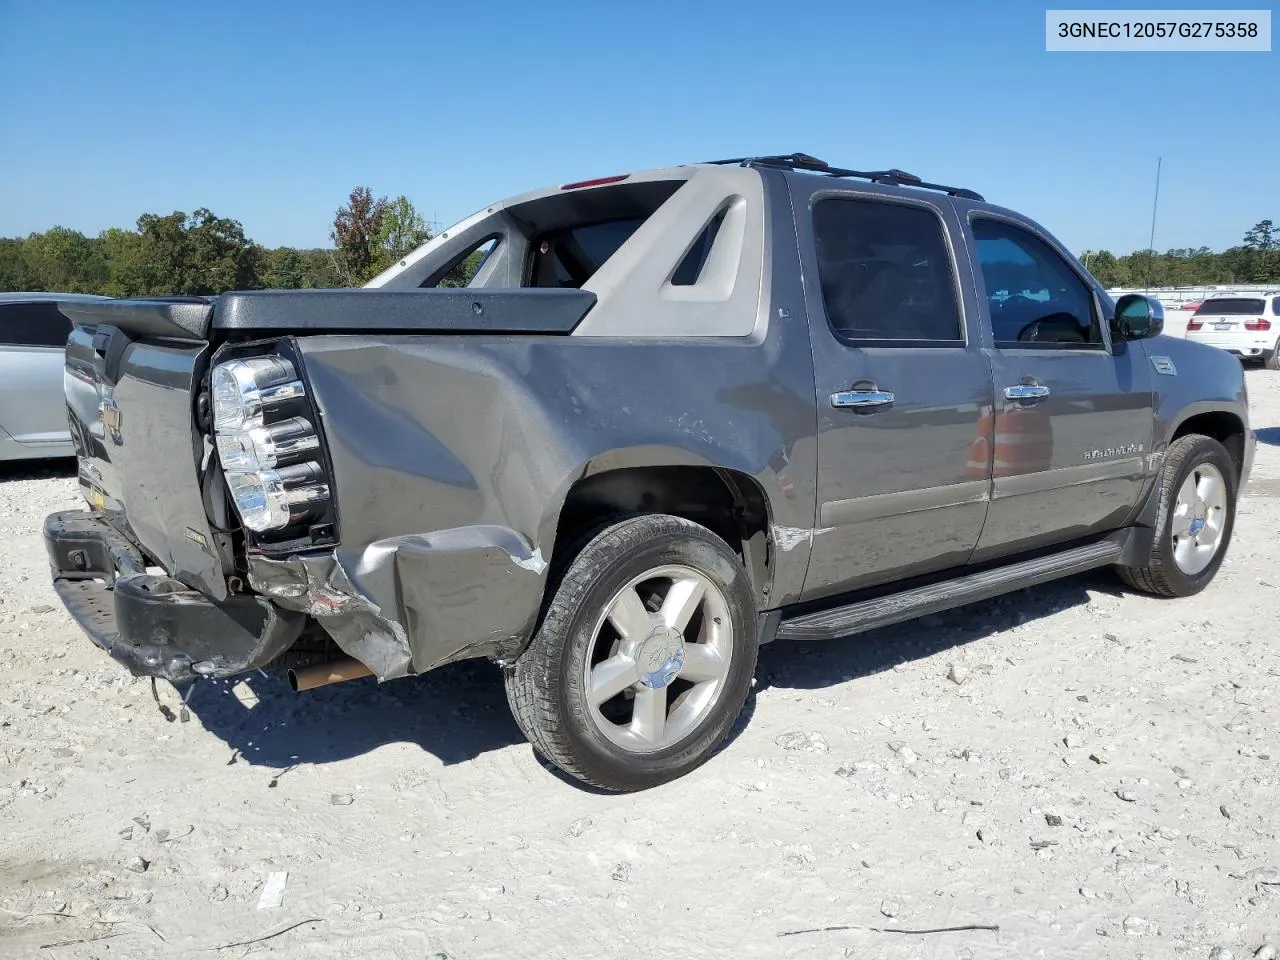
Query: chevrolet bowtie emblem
point(109, 415)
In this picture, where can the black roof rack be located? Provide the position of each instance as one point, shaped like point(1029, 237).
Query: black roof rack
point(810, 164)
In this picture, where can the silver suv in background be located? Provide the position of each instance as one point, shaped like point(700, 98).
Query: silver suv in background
point(33, 409)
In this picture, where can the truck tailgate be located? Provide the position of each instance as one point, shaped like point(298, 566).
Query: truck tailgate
point(131, 380)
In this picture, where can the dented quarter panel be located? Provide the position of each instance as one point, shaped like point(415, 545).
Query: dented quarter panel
point(474, 445)
point(453, 455)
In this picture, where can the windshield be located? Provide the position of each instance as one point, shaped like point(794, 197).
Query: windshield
point(1233, 305)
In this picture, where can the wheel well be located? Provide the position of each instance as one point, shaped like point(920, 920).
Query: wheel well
point(1226, 428)
point(728, 503)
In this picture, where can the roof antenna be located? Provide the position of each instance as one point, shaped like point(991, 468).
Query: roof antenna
point(1151, 244)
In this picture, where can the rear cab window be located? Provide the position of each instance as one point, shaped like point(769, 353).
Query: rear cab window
point(886, 273)
point(576, 232)
point(568, 257)
point(556, 239)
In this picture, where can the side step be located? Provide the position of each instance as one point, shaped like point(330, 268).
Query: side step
point(937, 597)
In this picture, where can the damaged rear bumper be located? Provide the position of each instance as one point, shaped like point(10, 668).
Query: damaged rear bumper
point(157, 626)
point(409, 604)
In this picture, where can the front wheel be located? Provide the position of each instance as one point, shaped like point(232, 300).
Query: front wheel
point(644, 657)
point(1197, 513)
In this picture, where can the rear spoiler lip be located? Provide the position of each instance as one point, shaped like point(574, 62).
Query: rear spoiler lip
point(182, 318)
point(371, 310)
point(359, 310)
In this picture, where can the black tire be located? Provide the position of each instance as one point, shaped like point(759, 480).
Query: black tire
point(1161, 575)
point(1272, 360)
point(546, 685)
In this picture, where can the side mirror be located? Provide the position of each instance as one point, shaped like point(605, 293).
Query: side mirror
point(1138, 317)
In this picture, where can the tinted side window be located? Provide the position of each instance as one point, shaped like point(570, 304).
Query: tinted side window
point(1275, 306)
point(1033, 296)
point(37, 324)
point(690, 268)
point(885, 271)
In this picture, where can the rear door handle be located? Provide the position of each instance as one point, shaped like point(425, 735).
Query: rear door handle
point(1026, 391)
point(862, 399)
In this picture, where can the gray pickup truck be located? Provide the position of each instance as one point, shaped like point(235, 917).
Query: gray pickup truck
point(672, 415)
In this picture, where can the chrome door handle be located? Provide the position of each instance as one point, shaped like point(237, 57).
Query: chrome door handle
point(1026, 391)
point(861, 398)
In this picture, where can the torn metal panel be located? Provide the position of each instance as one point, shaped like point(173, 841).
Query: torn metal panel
point(317, 585)
point(407, 604)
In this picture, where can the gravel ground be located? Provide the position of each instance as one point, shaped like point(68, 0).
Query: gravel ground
point(1093, 772)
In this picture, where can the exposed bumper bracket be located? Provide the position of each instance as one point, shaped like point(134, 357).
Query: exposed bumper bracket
point(154, 625)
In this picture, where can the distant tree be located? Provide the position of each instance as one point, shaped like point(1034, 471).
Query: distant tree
point(1262, 236)
point(201, 254)
point(14, 272)
point(64, 260)
point(124, 255)
point(222, 257)
point(1262, 262)
point(1105, 267)
point(284, 269)
point(403, 231)
point(163, 255)
point(357, 232)
point(322, 270)
point(287, 268)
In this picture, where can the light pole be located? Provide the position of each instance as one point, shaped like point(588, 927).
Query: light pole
point(1151, 244)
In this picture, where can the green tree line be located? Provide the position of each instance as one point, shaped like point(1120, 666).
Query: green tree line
point(1255, 260)
point(202, 253)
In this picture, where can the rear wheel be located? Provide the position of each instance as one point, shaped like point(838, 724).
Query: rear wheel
point(644, 658)
point(1197, 512)
point(1272, 360)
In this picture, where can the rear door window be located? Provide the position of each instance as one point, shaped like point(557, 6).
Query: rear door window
point(886, 272)
point(1233, 305)
point(36, 324)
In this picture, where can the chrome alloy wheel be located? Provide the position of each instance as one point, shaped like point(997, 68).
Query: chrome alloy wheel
point(659, 658)
point(1199, 518)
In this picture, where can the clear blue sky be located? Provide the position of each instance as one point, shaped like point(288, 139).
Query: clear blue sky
point(270, 112)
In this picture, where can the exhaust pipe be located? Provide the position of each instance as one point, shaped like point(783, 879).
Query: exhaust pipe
point(323, 674)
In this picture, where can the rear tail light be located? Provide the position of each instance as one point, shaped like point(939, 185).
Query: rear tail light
point(1194, 324)
point(269, 450)
point(273, 499)
point(1260, 324)
point(258, 447)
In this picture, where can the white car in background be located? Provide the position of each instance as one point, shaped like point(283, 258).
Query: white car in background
point(33, 407)
point(1246, 324)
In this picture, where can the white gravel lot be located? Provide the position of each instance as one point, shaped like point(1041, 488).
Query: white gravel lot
point(1104, 783)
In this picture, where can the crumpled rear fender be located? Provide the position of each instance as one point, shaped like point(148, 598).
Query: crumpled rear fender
point(436, 584)
point(453, 457)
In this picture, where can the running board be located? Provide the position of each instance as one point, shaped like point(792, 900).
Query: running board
point(937, 597)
